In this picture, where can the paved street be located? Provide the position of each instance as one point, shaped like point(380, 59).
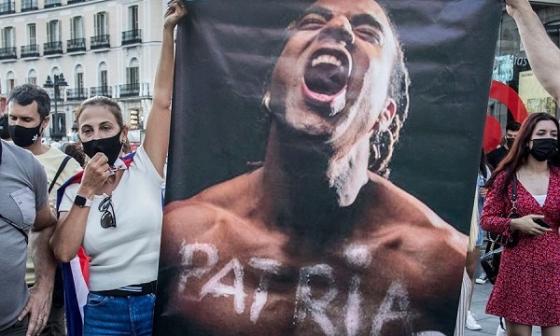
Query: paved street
point(488, 322)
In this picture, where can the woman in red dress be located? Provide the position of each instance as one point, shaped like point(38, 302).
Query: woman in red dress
point(527, 290)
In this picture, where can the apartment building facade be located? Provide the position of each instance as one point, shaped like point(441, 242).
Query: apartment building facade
point(77, 49)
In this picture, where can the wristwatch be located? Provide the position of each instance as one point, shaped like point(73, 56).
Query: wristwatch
point(82, 202)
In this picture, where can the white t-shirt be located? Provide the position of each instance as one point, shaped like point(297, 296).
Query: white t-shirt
point(51, 160)
point(128, 254)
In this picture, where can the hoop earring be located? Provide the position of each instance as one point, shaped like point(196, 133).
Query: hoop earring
point(266, 101)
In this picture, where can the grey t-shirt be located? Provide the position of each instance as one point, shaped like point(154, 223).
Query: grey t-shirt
point(23, 190)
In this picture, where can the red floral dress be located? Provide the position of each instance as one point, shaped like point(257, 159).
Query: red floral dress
point(527, 290)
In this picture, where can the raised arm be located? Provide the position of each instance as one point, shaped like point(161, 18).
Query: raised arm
point(543, 55)
point(156, 141)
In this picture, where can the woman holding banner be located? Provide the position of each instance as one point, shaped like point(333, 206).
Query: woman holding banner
point(114, 208)
point(523, 205)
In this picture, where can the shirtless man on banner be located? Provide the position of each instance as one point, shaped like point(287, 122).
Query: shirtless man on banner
point(314, 242)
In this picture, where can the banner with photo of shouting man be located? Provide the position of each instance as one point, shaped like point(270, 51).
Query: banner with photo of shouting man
point(322, 165)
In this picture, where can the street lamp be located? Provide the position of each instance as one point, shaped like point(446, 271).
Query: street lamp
point(58, 121)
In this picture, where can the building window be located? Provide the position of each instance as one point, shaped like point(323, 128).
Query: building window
point(32, 34)
point(103, 80)
point(10, 81)
point(77, 27)
point(100, 24)
point(133, 17)
point(511, 65)
point(133, 72)
point(79, 79)
point(32, 77)
point(53, 31)
point(8, 37)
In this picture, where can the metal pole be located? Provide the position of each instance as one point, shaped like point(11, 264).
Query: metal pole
point(56, 94)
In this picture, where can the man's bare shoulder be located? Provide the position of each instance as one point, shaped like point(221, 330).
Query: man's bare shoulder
point(428, 249)
point(216, 215)
point(231, 195)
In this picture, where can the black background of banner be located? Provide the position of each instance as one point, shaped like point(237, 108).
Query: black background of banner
point(225, 52)
point(224, 55)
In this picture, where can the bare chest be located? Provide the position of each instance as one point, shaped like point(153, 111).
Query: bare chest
point(260, 291)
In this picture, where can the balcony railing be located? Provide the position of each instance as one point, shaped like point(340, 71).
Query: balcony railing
point(132, 36)
point(70, 2)
point(100, 41)
point(51, 94)
point(76, 94)
point(29, 5)
point(105, 91)
point(31, 50)
point(129, 90)
point(52, 3)
point(52, 48)
point(8, 53)
point(7, 7)
point(77, 44)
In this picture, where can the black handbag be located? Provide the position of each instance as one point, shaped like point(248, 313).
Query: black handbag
point(490, 260)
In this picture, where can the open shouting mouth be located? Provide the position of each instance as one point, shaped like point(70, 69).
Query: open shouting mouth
point(326, 79)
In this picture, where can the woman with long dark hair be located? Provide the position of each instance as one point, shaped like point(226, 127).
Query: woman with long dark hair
point(523, 205)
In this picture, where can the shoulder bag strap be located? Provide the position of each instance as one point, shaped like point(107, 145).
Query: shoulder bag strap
point(16, 227)
point(59, 171)
point(514, 194)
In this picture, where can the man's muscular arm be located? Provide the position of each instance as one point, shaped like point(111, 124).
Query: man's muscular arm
point(543, 55)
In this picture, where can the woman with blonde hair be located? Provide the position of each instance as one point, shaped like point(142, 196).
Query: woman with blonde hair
point(114, 210)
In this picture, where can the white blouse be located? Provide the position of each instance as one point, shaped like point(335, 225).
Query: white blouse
point(129, 253)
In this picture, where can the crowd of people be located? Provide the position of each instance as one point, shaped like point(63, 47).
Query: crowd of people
point(519, 202)
point(95, 214)
point(121, 239)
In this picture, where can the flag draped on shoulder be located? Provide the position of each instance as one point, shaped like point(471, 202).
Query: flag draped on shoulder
point(75, 273)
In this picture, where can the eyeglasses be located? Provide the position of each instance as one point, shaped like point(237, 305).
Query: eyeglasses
point(108, 219)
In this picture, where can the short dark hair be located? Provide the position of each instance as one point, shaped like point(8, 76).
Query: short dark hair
point(27, 94)
point(513, 126)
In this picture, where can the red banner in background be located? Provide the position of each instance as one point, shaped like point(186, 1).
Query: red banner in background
point(492, 129)
point(507, 96)
point(492, 134)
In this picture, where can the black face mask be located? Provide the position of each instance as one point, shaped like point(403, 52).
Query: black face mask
point(4, 133)
point(544, 149)
point(509, 142)
point(111, 147)
point(23, 136)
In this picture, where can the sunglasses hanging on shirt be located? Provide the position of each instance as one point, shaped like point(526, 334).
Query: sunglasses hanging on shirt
point(108, 219)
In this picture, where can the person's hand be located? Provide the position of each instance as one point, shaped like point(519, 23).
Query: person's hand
point(176, 10)
point(38, 308)
point(482, 191)
point(515, 6)
point(96, 173)
point(527, 225)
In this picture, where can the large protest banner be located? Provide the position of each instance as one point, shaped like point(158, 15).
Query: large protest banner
point(322, 165)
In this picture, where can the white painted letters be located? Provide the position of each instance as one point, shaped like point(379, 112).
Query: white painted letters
point(216, 288)
point(268, 266)
point(395, 307)
point(317, 307)
point(187, 252)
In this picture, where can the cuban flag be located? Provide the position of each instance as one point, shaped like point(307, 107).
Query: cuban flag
point(75, 274)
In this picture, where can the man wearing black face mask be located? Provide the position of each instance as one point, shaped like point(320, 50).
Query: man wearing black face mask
point(498, 154)
point(28, 118)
